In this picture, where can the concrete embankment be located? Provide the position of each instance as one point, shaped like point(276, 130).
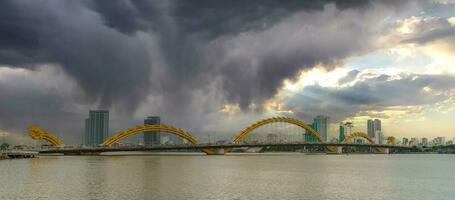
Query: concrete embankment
point(17, 154)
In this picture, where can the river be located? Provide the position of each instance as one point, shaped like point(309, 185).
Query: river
point(273, 176)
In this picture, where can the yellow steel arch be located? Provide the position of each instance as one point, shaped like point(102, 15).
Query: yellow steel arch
point(148, 127)
point(38, 133)
point(364, 135)
point(357, 134)
point(153, 127)
point(258, 124)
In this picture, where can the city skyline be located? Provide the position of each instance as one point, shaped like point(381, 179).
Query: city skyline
point(97, 132)
point(214, 74)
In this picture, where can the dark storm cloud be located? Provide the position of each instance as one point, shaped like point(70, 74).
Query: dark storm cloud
point(107, 64)
point(26, 99)
point(214, 18)
point(379, 94)
point(87, 39)
point(121, 52)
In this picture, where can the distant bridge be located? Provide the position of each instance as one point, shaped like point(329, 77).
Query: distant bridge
point(214, 147)
point(40, 134)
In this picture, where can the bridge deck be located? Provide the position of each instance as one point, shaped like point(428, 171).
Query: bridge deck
point(208, 146)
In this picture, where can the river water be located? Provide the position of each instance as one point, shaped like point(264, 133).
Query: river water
point(289, 176)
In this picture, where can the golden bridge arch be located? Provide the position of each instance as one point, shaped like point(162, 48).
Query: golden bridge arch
point(147, 127)
point(357, 134)
point(263, 122)
point(370, 140)
point(152, 127)
point(38, 133)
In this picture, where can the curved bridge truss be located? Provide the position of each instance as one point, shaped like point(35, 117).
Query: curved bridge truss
point(364, 135)
point(357, 134)
point(258, 124)
point(155, 127)
point(38, 133)
point(142, 128)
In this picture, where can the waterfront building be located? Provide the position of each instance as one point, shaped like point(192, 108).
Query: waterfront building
point(96, 127)
point(370, 128)
point(405, 141)
point(175, 139)
point(152, 137)
point(341, 135)
point(322, 126)
point(439, 141)
point(378, 137)
point(377, 125)
point(414, 141)
point(374, 130)
point(164, 139)
point(424, 141)
point(272, 138)
point(359, 141)
point(310, 137)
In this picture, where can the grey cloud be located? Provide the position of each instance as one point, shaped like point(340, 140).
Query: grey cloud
point(379, 93)
point(106, 63)
point(432, 35)
point(39, 98)
point(211, 18)
point(428, 30)
point(349, 77)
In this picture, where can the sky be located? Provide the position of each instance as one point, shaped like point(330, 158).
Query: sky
point(214, 67)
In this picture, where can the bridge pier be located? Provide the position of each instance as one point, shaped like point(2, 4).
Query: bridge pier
point(339, 150)
point(381, 150)
point(334, 150)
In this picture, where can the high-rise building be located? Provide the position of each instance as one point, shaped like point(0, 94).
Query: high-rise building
point(96, 127)
point(342, 133)
point(378, 137)
point(377, 125)
point(405, 141)
point(310, 137)
point(152, 137)
point(424, 141)
point(370, 128)
point(322, 126)
point(439, 141)
point(374, 129)
point(414, 141)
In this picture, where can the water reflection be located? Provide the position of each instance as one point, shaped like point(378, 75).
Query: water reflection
point(230, 177)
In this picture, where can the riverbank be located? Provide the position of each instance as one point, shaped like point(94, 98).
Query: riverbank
point(17, 155)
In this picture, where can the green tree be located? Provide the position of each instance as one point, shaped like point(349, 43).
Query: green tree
point(4, 146)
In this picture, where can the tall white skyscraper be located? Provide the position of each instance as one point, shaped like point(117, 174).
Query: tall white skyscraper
point(322, 126)
point(377, 125)
point(374, 130)
point(370, 128)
